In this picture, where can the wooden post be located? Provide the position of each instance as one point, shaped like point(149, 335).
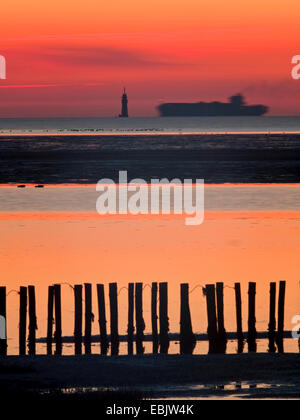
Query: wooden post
point(50, 319)
point(88, 318)
point(163, 318)
point(102, 319)
point(78, 319)
point(239, 319)
point(23, 321)
point(212, 329)
point(114, 329)
point(155, 339)
point(222, 336)
point(252, 333)
point(140, 324)
point(187, 337)
point(3, 326)
point(130, 329)
point(32, 321)
point(58, 328)
point(272, 318)
point(280, 330)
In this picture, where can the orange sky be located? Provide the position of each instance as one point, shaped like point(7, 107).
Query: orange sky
point(67, 58)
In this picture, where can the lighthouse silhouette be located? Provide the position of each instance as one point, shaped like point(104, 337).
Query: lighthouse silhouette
point(124, 112)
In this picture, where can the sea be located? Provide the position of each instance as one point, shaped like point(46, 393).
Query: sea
point(53, 234)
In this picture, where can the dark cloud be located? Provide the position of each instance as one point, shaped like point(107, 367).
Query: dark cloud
point(104, 56)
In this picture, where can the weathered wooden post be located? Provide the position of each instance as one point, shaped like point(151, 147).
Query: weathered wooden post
point(88, 318)
point(239, 319)
point(222, 335)
point(281, 304)
point(114, 329)
point(130, 329)
point(212, 329)
point(78, 319)
point(58, 327)
point(272, 319)
point(22, 321)
point(50, 320)
point(187, 337)
point(102, 319)
point(140, 323)
point(32, 321)
point(154, 318)
point(163, 318)
point(3, 326)
point(252, 333)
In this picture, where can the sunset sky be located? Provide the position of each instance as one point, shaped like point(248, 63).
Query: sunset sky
point(67, 58)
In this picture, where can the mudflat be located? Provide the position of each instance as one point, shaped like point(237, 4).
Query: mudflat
point(151, 372)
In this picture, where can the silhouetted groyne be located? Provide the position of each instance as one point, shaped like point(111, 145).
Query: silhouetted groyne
point(217, 336)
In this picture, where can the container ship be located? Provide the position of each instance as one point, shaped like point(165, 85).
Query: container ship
point(236, 107)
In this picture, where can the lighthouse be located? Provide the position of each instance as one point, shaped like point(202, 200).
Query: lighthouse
point(124, 113)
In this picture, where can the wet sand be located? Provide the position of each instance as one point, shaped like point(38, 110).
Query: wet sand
point(218, 158)
point(161, 376)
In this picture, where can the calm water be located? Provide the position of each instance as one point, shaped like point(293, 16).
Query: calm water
point(76, 199)
point(54, 235)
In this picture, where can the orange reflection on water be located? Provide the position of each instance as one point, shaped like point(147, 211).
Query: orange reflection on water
point(69, 248)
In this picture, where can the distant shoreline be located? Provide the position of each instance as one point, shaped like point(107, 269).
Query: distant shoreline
point(150, 132)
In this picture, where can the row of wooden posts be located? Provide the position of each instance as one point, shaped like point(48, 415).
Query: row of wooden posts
point(216, 332)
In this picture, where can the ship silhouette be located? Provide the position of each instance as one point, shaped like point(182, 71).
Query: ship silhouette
point(235, 107)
